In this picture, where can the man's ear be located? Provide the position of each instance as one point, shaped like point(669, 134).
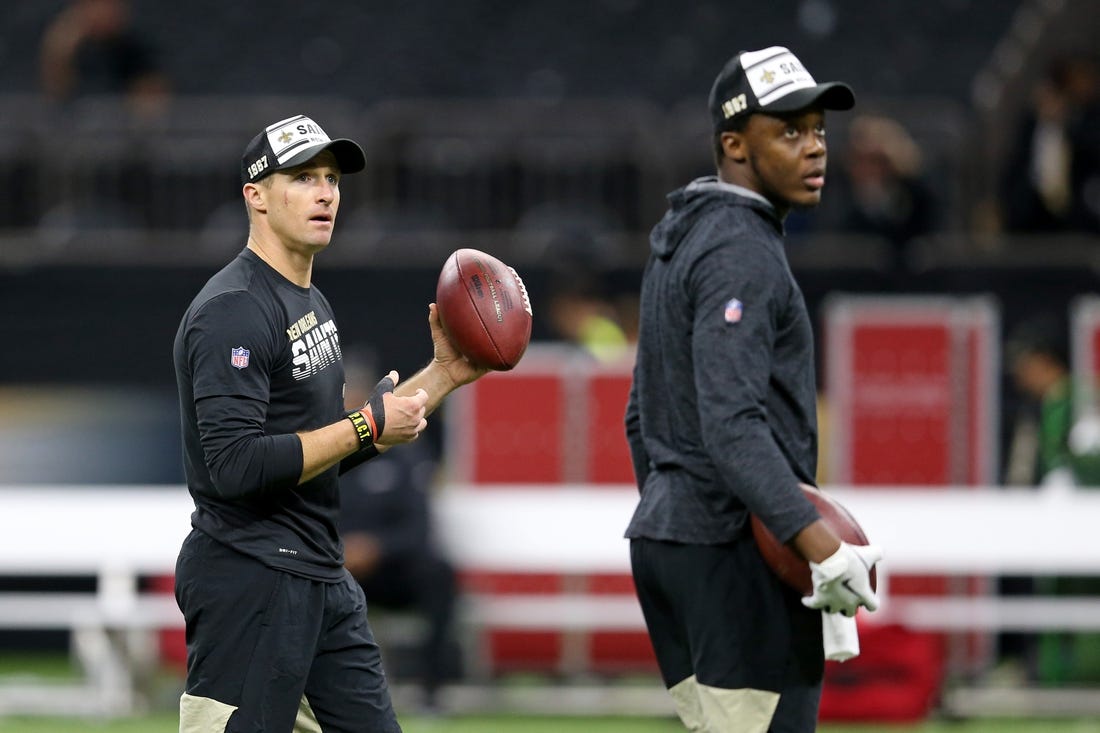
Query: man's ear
point(733, 145)
point(255, 197)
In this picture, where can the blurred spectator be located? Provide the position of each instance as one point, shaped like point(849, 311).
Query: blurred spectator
point(90, 47)
point(1062, 452)
point(1057, 450)
point(1052, 179)
point(882, 185)
point(582, 313)
point(580, 308)
point(390, 549)
point(627, 316)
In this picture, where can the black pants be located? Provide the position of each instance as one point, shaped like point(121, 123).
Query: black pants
point(716, 612)
point(259, 641)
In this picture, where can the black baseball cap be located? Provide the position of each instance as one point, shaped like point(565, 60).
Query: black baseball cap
point(770, 81)
point(294, 141)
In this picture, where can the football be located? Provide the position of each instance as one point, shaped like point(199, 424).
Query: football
point(484, 308)
point(788, 564)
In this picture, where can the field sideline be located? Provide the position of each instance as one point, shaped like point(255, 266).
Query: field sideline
point(166, 723)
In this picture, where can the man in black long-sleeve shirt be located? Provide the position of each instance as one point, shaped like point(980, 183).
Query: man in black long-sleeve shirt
point(276, 626)
point(721, 417)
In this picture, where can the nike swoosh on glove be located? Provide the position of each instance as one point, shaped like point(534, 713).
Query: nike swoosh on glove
point(842, 581)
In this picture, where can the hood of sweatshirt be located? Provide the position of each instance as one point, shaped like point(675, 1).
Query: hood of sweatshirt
point(687, 204)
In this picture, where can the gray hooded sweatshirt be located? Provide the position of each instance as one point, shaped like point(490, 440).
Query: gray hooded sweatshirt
point(721, 419)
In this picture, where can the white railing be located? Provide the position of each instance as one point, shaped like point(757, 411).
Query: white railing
point(119, 534)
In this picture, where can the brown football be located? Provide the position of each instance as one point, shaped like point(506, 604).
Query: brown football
point(788, 564)
point(484, 308)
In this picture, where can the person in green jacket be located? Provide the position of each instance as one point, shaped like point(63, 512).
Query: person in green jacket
point(1067, 457)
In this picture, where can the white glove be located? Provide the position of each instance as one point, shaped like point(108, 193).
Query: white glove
point(842, 581)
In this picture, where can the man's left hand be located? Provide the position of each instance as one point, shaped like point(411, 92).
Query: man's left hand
point(460, 369)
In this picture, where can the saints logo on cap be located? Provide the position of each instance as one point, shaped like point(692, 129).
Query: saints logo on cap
point(771, 80)
point(292, 142)
point(289, 136)
point(774, 73)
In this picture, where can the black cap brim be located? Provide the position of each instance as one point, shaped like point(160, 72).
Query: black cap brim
point(830, 95)
point(349, 156)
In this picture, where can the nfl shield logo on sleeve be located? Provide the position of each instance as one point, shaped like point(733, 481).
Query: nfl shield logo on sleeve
point(239, 357)
point(734, 309)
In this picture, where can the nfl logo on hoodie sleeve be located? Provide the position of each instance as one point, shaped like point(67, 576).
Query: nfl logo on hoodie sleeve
point(734, 309)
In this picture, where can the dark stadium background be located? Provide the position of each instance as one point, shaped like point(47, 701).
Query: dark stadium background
point(474, 97)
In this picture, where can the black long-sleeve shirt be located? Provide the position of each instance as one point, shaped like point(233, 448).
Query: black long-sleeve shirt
point(257, 360)
point(721, 419)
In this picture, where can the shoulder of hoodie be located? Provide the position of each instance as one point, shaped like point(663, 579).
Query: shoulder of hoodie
point(742, 225)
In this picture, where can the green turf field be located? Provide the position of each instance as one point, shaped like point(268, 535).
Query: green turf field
point(507, 724)
point(59, 668)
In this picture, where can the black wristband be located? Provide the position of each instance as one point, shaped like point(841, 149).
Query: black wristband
point(377, 407)
point(362, 429)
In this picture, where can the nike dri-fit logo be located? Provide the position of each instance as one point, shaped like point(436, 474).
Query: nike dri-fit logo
point(847, 584)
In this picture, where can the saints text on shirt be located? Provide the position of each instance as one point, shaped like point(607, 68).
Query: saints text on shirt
point(313, 346)
point(303, 324)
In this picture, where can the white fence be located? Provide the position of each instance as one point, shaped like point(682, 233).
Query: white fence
point(119, 534)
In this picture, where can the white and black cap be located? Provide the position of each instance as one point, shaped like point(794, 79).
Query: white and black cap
point(293, 141)
point(770, 81)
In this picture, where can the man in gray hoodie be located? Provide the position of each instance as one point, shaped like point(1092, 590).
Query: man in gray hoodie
point(722, 418)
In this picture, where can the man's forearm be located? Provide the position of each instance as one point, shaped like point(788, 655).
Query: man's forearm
point(325, 447)
point(434, 380)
